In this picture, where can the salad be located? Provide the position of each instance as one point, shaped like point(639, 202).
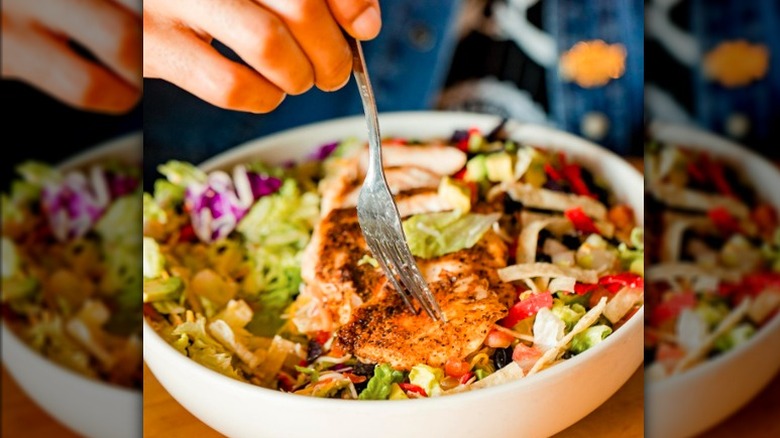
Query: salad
point(71, 275)
point(714, 272)
point(261, 273)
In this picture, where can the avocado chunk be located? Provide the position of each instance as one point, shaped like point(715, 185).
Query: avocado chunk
point(476, 170)
point(456, 194)
point(499, 167)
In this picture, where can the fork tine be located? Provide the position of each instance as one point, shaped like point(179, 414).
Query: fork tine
point(412, 278)
point(381, 257)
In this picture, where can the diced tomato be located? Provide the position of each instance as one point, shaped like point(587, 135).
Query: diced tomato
point(410, 387)
point(498, 339)
point(463, 145)
point(671, 307)
point(322, 337)
point(765, 217)
point(622, 216)
point(397, 141)
point(527, 307)
point(460, 175)
point(526, 356)
point(580, 220)
point(724, 220)
point(455, 367)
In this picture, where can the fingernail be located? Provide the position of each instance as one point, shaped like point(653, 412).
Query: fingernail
point(367, 24)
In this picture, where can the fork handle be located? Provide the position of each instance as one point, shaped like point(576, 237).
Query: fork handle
point(359, 70)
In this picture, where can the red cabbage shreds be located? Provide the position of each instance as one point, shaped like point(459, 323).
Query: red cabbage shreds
point(263, 185)
point(120, 184)
point(218, 206)
point(75, 204)
point(324, 151)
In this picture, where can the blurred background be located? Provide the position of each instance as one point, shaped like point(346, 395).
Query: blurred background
point(573, 64)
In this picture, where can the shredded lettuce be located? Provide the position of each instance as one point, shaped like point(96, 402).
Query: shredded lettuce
point(589, 338)
point(435, 234)
point(181, 173)
point(192, 340)
point(548, 329)
point(160, 289)
point(153, 260)
point(569, 314)
point(734, 337)
point(427, 378)
point(380, 385)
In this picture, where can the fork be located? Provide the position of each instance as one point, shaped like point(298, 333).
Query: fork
point(377, 213)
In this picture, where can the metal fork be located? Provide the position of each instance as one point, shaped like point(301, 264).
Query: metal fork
point(377, 213)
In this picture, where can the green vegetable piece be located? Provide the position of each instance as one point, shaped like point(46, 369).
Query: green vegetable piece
point(475, 169)
point(181, 173)
point(10, 259)
point(435, 234)
point(476, 142)
point(569, 314)
point(734, 337)
point(396, 393)
point(589, 338)
point(481, 373)
point(379, 386)
point(162, 289)
point(153, 260)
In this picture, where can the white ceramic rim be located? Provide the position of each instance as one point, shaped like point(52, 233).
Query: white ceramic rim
point(387, 121)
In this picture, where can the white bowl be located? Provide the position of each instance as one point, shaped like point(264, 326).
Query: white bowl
point(691, 402)
point(540, 405)
point(90, 407)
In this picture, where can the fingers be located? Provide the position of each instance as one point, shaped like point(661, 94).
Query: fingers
point(29, 54)
point(177, 55)
point(258, 36)
point(320, 37)
point(110, 31)
point(360, 18)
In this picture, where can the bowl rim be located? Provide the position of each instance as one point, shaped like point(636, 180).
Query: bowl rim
point(772, 328)
point(241, 151)
point(114, 147)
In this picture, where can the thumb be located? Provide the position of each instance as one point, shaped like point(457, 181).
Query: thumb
point(360, 18)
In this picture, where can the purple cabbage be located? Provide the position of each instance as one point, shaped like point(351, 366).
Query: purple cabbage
point(217, 206)
point(324, 151)
point(75, 204)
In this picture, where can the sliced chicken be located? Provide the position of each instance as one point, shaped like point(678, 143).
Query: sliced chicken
point(442, 160)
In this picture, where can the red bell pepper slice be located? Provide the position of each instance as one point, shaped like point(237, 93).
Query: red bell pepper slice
point(573, 174)
point(715, 171)
point(582, 288)
point(614, 283)
point(552, 172)
point(580, 220)
point(411, 387)
point(527, 307)
point(465, 378)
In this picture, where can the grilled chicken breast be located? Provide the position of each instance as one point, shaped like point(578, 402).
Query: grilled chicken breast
point(347, 293)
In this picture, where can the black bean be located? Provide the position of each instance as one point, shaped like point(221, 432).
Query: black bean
point(503, 357)
point(314, 351)
point(363, 369)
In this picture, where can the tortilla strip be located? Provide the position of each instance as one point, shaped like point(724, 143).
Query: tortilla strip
point(606, 229)
point(676, 226)
point(532, 270)
point(509, 373)
point(728, 322)
point(529, 238)
point(697, 200)
point(565, 284)
point(545, 199)
point(688, 270)
point(586, 321)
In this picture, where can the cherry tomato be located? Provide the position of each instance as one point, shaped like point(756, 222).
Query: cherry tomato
point(498, 339)
point(455, 367)
point(527, 307)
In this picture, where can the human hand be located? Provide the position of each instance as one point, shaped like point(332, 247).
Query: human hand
point(36, 49)
point(289, 46)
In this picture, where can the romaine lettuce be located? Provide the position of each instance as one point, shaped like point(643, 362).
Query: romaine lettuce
point(435, 234)
point(380, 385)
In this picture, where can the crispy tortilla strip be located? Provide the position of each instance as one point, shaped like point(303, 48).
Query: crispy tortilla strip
point(532, 270)
point(529, 237)
point(690, 271)
point(586, 321)
point(728, 322)
point(565, 284)
point(509, 373)
point(558, 228)
point(676, 226)
point(697, 200)
point(545, 199)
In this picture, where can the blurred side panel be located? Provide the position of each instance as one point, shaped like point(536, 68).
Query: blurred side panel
point(712, 169)
point(71, 218)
